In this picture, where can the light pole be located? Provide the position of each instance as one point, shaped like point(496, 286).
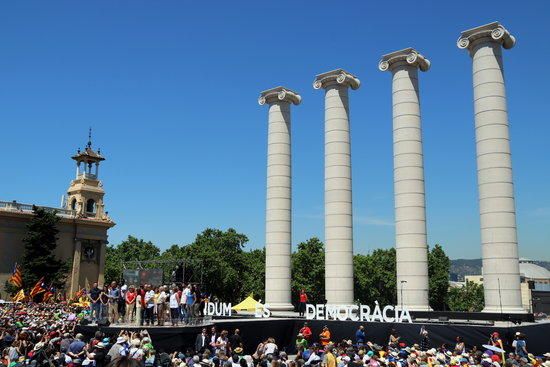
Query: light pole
point(402, 284)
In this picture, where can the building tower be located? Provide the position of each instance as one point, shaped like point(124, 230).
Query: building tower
point(85, 194)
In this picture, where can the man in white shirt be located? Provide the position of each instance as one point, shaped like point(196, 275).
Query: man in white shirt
point(149, 304)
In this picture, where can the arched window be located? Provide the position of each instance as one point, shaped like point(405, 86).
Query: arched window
point(73, 204)
point(90, 206)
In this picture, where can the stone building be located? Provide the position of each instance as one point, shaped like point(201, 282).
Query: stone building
point(82, 227)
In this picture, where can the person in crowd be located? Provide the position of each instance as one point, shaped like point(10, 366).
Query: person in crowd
point(460, 346)
point(302, 302)
point(360, 336)
point(235, 340)
point(114, 295)
point(329, 359)
point(306, 332)
point(139, 306)
point(324, 337)
point(76, 349)
point(213, 338)
point(189, 303)
point(222, 343)
point(201, 341)
point(520, 345)
point(122, 300)
point(95, 299)
point(424, 339)
point(175, 305)
point(270, 348)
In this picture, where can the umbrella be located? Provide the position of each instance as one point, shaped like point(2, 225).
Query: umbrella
point(493, 348)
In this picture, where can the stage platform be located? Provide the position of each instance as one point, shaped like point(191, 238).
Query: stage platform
point(284, 330)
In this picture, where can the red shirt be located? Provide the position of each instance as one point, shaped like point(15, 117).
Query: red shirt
point(306, 332)
point(303, 297)
point(130, 297)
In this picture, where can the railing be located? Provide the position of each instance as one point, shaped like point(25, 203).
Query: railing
point(20, 207)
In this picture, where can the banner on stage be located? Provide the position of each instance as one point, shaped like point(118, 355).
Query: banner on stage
point(358, 313)
point(218, 309)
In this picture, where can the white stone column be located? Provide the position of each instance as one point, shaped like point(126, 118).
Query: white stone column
point(278, 221)
point(338, 197)
point(408, 179)
point(75, 271)
point(499, 248)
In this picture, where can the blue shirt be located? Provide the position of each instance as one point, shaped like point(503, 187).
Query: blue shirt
point(360, 336)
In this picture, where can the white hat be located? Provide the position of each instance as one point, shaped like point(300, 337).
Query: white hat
point(120, 340)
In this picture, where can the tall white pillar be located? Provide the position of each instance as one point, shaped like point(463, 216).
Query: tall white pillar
point(278, 225)
point(499, 248)
point(408, 179)
point(338, 203)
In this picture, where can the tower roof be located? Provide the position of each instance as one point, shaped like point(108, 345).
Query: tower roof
point(88, 154)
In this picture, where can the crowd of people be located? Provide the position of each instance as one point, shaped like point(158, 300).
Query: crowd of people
point(146, 304)
point(46, 335)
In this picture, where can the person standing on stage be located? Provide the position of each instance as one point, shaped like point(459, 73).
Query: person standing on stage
point(324, 337)
point(174, 306)
point(306, 332)
point(114, 295)
point(303, 302)
point(149, 305)
point(235, 340)
point(95, 298)
point(189, 303)
point(130, 300)
point(161, 306)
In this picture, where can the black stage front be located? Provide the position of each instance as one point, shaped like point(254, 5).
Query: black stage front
point(284, 331)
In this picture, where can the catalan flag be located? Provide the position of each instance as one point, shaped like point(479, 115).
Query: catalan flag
point(20, 296)
point(16, 277)
point(38, 288)
point(47, 296)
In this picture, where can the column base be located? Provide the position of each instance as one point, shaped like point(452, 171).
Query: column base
point(498, 309)
point(280, 306)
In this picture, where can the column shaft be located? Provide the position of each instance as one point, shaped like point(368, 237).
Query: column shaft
point(278, 208)
point(410, 208)
point(75, 272)
point(338, 197)
point(501, 279)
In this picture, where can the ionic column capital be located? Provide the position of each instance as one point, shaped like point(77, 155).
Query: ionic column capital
point(338, 76)
point(407, 56)
point(279, 94)
point(492, 32)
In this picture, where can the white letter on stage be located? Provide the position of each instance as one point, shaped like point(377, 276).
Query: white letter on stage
point(385, 312)
point(320, 312)
point(364, 313)
point(405, 315)
point(310, 311)
point(377, 313)
point(354, 315)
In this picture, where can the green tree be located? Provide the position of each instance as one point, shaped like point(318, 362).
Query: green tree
point(468, 298)
point(439, 266)
point(375, 277)
point(129, 250)
point(308, 270)
point(218, 257)
point(254, 273)
point(40, 243)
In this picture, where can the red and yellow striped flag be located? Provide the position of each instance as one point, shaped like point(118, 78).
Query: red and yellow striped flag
point(16, 277)
point(20, 296)
point(38, 288)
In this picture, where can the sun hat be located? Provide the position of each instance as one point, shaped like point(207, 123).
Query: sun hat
point(120, 340)
point(100, 345)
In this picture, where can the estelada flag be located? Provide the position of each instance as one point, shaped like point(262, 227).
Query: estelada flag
point(47, 296)
point(38, 288)
point(19, 296)
point(16, 277)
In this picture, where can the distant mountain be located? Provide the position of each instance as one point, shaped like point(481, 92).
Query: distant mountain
point(462, 267)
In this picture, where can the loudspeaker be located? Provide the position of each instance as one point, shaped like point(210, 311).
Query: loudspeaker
point(531, 284)
point(84, 322)
point(103, 323)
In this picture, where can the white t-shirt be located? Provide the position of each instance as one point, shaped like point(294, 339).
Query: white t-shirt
point(270, 348)
point(184, 294)
point(173, 300)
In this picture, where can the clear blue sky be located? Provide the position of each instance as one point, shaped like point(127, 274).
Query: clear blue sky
point(171, 87)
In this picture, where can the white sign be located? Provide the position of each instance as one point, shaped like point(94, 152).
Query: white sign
point(358, 313)
point(262, 311)
point(218, 309)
